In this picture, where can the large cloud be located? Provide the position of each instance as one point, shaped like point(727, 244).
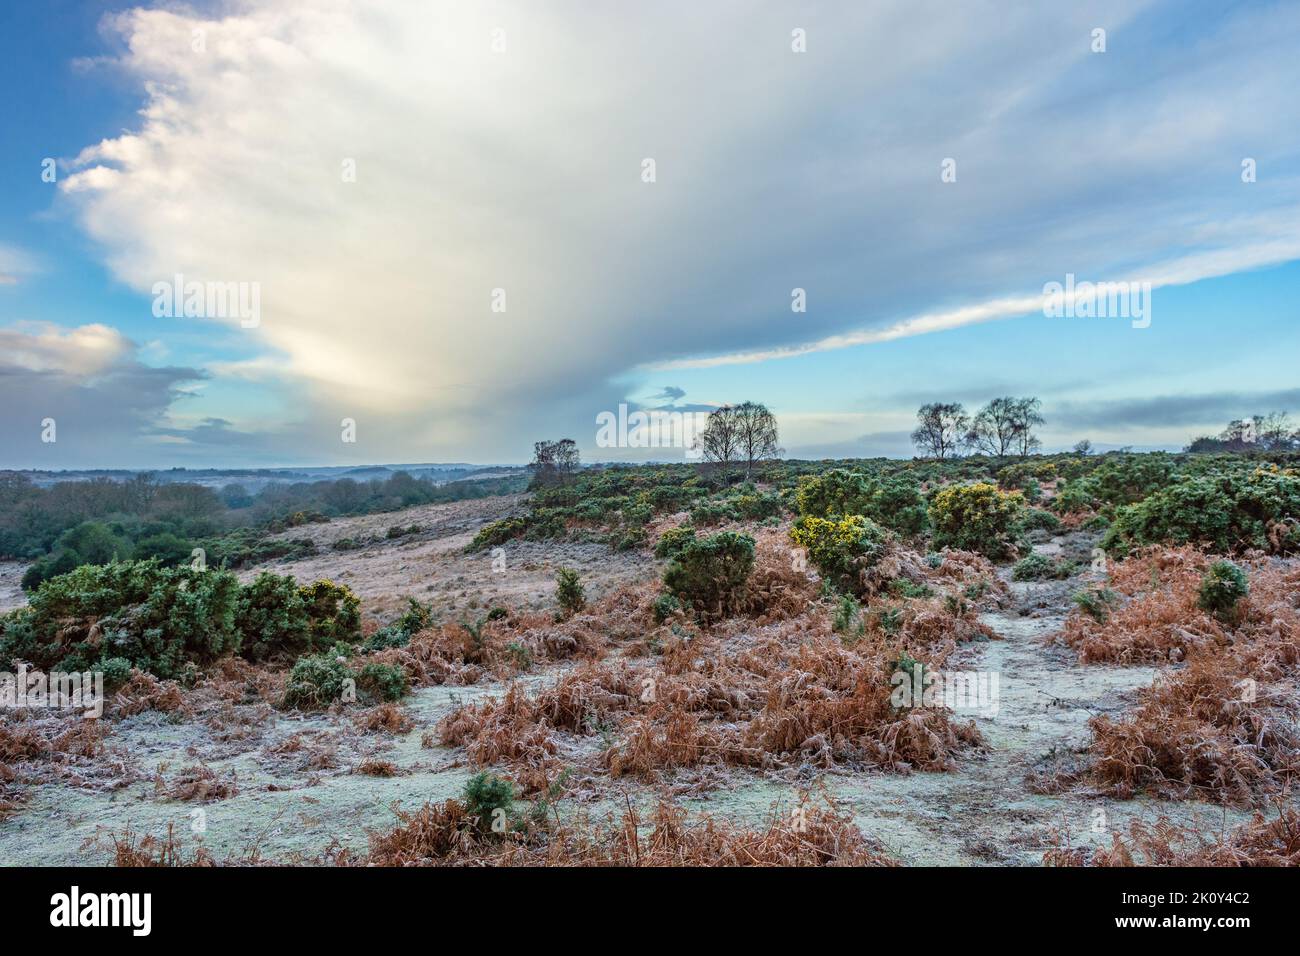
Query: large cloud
point(521, 170)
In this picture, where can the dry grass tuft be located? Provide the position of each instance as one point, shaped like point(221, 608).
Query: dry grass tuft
point(446, 834)
point(1263, 841)
point(387, 718)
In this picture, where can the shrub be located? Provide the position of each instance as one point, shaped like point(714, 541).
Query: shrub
point(975, 517)
point(1039, 567)
point(710, 573)
point(385, 681)
point(333, 613)
point(673, 540)
point(1036, 519)
point(317, 680)
point(489, 798)
point(271, 616)
point(893, 501)
point(116, 671)
point(1223, 585)
point(707, 513)
point(158, 619)
point(1223, 512)
point(848, 621)
point(569, 592)
point(1075, 497)
point(168, 548)
point(665, 606)
point(498, 532)
point(840, 547)
point(757, 507)
point(414, 619)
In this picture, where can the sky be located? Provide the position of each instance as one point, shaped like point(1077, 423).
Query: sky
point(463, 227)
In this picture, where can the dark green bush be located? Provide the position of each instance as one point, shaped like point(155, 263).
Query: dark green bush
point(317, 680)
point(490, 798)
point(1224, 512)
point(385, 681)
point(665, 606)
point(1036, 519)
point(1223, 585)
point(569, 592)
point(271, 615)
point(1039, 567)
point(710, 573)
point(158, 619)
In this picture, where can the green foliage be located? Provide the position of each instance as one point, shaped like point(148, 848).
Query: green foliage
point(569, 592)
point(712, 512)
point(116, 671)
point(665, 606)
point(1096, 602)
point(1036, 519)
point(1039, 567)
point(1075, 497)
point(158, 619)
point(168, 548)
point(271, 615)
point(1222, 586)
point(904, 588)
point(840, 547)
point(893, 501)
point(848, 621)
point(385, 681)
point(1224, 512)
point(317, 680)
point(489, 797)
point(333, 613)
point(975, 517)
point(755, 507)
point(498, 532)
point(710, 573)
point(673, 540)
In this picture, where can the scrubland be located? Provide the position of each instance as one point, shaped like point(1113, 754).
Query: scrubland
point(671, 666)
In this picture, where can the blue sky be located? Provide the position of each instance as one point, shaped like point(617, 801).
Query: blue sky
point(502, 146)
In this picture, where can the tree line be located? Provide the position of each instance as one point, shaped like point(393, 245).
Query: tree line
point(1002, 428)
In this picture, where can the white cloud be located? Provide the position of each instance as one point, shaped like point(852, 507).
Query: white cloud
point(521, 170)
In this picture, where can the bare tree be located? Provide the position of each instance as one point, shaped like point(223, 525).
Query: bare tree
point(996, 427)
point(1083, 447)
point(719, 442)
point(943, 429)
point(555, 462)
point(1028, 414)
point(756, 435)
